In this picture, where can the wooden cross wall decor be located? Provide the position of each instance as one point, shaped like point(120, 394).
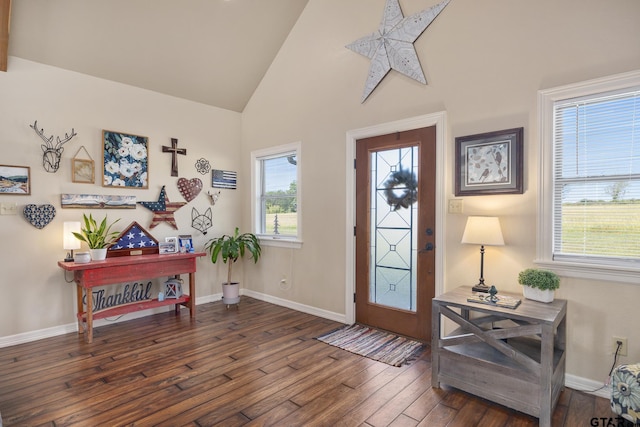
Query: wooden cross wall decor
point(174, 150)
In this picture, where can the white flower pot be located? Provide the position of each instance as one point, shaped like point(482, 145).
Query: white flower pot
point(538, 294)
point(98, 254)
point(231, 293)
point(82, 257)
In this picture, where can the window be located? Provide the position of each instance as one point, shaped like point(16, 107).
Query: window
point(276, 189)
point(590, 178)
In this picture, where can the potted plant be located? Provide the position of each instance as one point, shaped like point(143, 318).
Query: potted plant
point(230, 248)
point(97, 236)
point(538, 285)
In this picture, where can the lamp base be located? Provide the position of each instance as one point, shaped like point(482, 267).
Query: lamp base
point(69, 257)
point(480, 287)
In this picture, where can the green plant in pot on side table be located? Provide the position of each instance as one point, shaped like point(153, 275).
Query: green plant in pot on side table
point(230, 248)
point(97, 237)
point(539, 285)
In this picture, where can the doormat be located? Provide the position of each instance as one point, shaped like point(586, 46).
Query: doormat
point(375, 344)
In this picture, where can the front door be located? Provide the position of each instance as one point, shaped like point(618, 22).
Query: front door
point(395, 231)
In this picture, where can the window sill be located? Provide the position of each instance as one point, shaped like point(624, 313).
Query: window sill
point(280, 242)
point(591, 272)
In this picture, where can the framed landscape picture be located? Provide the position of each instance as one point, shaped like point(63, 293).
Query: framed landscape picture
point(15, 180)
point(125, 160)
point(489, 163)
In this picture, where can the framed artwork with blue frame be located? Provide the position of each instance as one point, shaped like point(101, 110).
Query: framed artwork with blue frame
point(125, 160)
point(186, 243)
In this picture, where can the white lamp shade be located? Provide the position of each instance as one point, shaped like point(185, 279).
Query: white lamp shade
point(70, 242)
point(483, 230)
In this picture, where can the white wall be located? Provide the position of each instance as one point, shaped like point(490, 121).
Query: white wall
point(484, 62)
point(35, 295)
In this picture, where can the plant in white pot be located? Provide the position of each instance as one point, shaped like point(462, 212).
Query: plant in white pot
point(538, 285)
point(97, 236)
point(230, 249)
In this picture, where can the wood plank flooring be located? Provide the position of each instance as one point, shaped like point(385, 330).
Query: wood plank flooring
point(255, 366)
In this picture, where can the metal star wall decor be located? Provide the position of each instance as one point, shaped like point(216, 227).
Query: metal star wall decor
point(392, 45)
point(163, 210)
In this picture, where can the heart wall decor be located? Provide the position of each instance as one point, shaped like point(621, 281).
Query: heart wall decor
point(189, 188)
point(39, 216)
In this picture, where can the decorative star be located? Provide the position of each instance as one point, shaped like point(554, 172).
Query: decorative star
point(392, 45)
point(163, 210)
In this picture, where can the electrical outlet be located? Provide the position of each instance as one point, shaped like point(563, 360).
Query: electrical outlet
point(623, 346)
point(284, 283)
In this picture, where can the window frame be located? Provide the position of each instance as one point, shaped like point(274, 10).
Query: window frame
point(256, 188)
point(544, 248)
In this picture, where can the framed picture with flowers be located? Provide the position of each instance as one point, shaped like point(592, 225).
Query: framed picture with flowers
point(125, 160)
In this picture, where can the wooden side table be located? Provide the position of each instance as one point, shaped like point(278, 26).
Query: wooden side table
point(514, 357)
point(126, 269)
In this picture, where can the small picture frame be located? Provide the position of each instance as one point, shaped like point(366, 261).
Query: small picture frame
point(83, 171)
point(185, 243)
point(15, 180)
point(165, 248)
point(174, 242)
point(125, 160)
point(489, 163)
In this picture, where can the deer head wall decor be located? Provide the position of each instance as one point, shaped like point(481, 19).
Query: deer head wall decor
point(51, 154)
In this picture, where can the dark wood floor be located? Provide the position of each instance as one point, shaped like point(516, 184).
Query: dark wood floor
point(258, 365)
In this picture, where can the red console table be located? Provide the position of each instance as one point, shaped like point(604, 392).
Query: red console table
point(126, 269)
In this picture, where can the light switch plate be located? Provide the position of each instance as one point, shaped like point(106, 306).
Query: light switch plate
point(455, 206)
point(8, 209)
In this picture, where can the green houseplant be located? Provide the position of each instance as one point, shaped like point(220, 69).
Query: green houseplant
point(539, 285)
point(96, 235)
point(230, 248)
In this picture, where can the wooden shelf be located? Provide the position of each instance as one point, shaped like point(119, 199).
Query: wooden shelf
point(135, 306)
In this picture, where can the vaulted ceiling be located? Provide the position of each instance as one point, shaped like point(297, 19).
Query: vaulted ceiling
point(209, 51)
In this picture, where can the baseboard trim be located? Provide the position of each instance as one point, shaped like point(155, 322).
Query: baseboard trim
point(325, 314)
point(26, 337)
point(572, 381)
point(587, 386)
point(40, 334)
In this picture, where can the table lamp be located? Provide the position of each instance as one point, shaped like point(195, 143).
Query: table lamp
point(69, 240)
point(482, 230)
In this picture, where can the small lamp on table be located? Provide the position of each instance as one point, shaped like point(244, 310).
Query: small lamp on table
point(482, 230)
point(69, 240)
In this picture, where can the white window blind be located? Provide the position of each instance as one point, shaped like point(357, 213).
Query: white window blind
point(596, 179)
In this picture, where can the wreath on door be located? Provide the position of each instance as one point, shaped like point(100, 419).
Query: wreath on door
point(405, 180)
